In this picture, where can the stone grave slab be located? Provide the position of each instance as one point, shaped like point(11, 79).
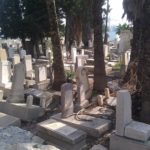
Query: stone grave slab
point(33, 146)
point(98, 147)
point(21, 111)
point(95, 127)
point(138, 131)
point(7, 120)
point(122, 143)
point(62, 135)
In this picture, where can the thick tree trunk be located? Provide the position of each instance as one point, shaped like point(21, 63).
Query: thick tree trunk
point(99, 64)
point(135, 44)
point(59, 74)
point(145, 63)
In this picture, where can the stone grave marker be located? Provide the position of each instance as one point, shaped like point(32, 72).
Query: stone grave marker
point(40, 73)
point(5, 73)
point(67, 100)
point(74, 54)
point(123, 111)
point(28, 63)
point(3, 55)
point(16, 59)
point(17, 90)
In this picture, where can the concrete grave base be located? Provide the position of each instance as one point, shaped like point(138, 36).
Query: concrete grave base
point(122, 143)
point(61, 135)
point(95, 127)
point(20, 110)
point(7, 120)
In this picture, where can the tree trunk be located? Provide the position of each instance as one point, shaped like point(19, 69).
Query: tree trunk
point(145, 63)
point(106, 25)
point(135, 44)
point(59, 74)
point(99, 64)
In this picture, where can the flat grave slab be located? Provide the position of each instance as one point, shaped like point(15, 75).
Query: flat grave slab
point(61, 135)
point(7, 120)
point(20, 110)
point(95, 127)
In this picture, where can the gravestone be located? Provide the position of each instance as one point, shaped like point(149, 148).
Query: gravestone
point(40, 73)
point(17, 90)
point(123, 111)
point(74, 54)
point(83, 87)
point(3, 55)
point(80, 61)
point(1, 95)
point(41, 77)
point(16, 59)
point(29, 101)
point(22, 53)
point(5, 74)
point(67, 100)
point(28, 66)
point(28, 63)
point(106, 50)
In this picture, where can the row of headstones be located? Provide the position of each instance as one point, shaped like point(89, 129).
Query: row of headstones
point(5, 71)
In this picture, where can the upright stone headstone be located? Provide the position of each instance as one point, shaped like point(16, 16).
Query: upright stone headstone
point(28, 63)
point(40, 73)
point(16, 59)
point(17, 91)
point(106, 50)
point(29, 101)
point(5, 73)
point(22, 53)
point(123, 111)
point(74, 54)
point(80, 61)
point(1, 95)
point(67, 100)
point(83, 86)
point(3, 55)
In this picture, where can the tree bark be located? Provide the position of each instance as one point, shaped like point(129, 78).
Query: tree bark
point(59, 74)
point(145, 63)
point(99, 64)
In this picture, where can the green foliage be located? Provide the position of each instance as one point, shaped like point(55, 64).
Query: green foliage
point(117, 66)
point(69, 75)
point(122, 27)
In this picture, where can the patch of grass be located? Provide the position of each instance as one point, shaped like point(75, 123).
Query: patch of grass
point(69, 75)
point(117, 66)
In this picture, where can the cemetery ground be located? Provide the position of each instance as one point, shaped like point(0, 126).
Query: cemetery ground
point(76, 117)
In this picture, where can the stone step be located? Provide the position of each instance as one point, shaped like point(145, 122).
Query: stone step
point(7, 120)
point(95, 127)
point(61, 135)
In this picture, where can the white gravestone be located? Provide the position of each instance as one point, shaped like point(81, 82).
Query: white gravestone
point(40, 73)
point(16, 59)
point(67, 100)
point(28, 63)
point(74, 54)
point(83, 84)
point(17, 91)
point(123, 111)
point(3, 55)
point(5, 73)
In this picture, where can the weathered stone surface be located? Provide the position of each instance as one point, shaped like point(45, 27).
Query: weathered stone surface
point(16, 59)
point(7, 120)
point(138, 131)
point(1, 94)
point(123, 111)
point(29, 101)
point(74, 54)
point(17, 90)
point(21, 111)
point(33, 146)
point(111, 101)
point(5, 73)
point(61, 134)
point(40, 73)
point(3, 55)
point(122, 143)
point(98, 147)
point(28, 63)
point(92, 126)
point(67, 106)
